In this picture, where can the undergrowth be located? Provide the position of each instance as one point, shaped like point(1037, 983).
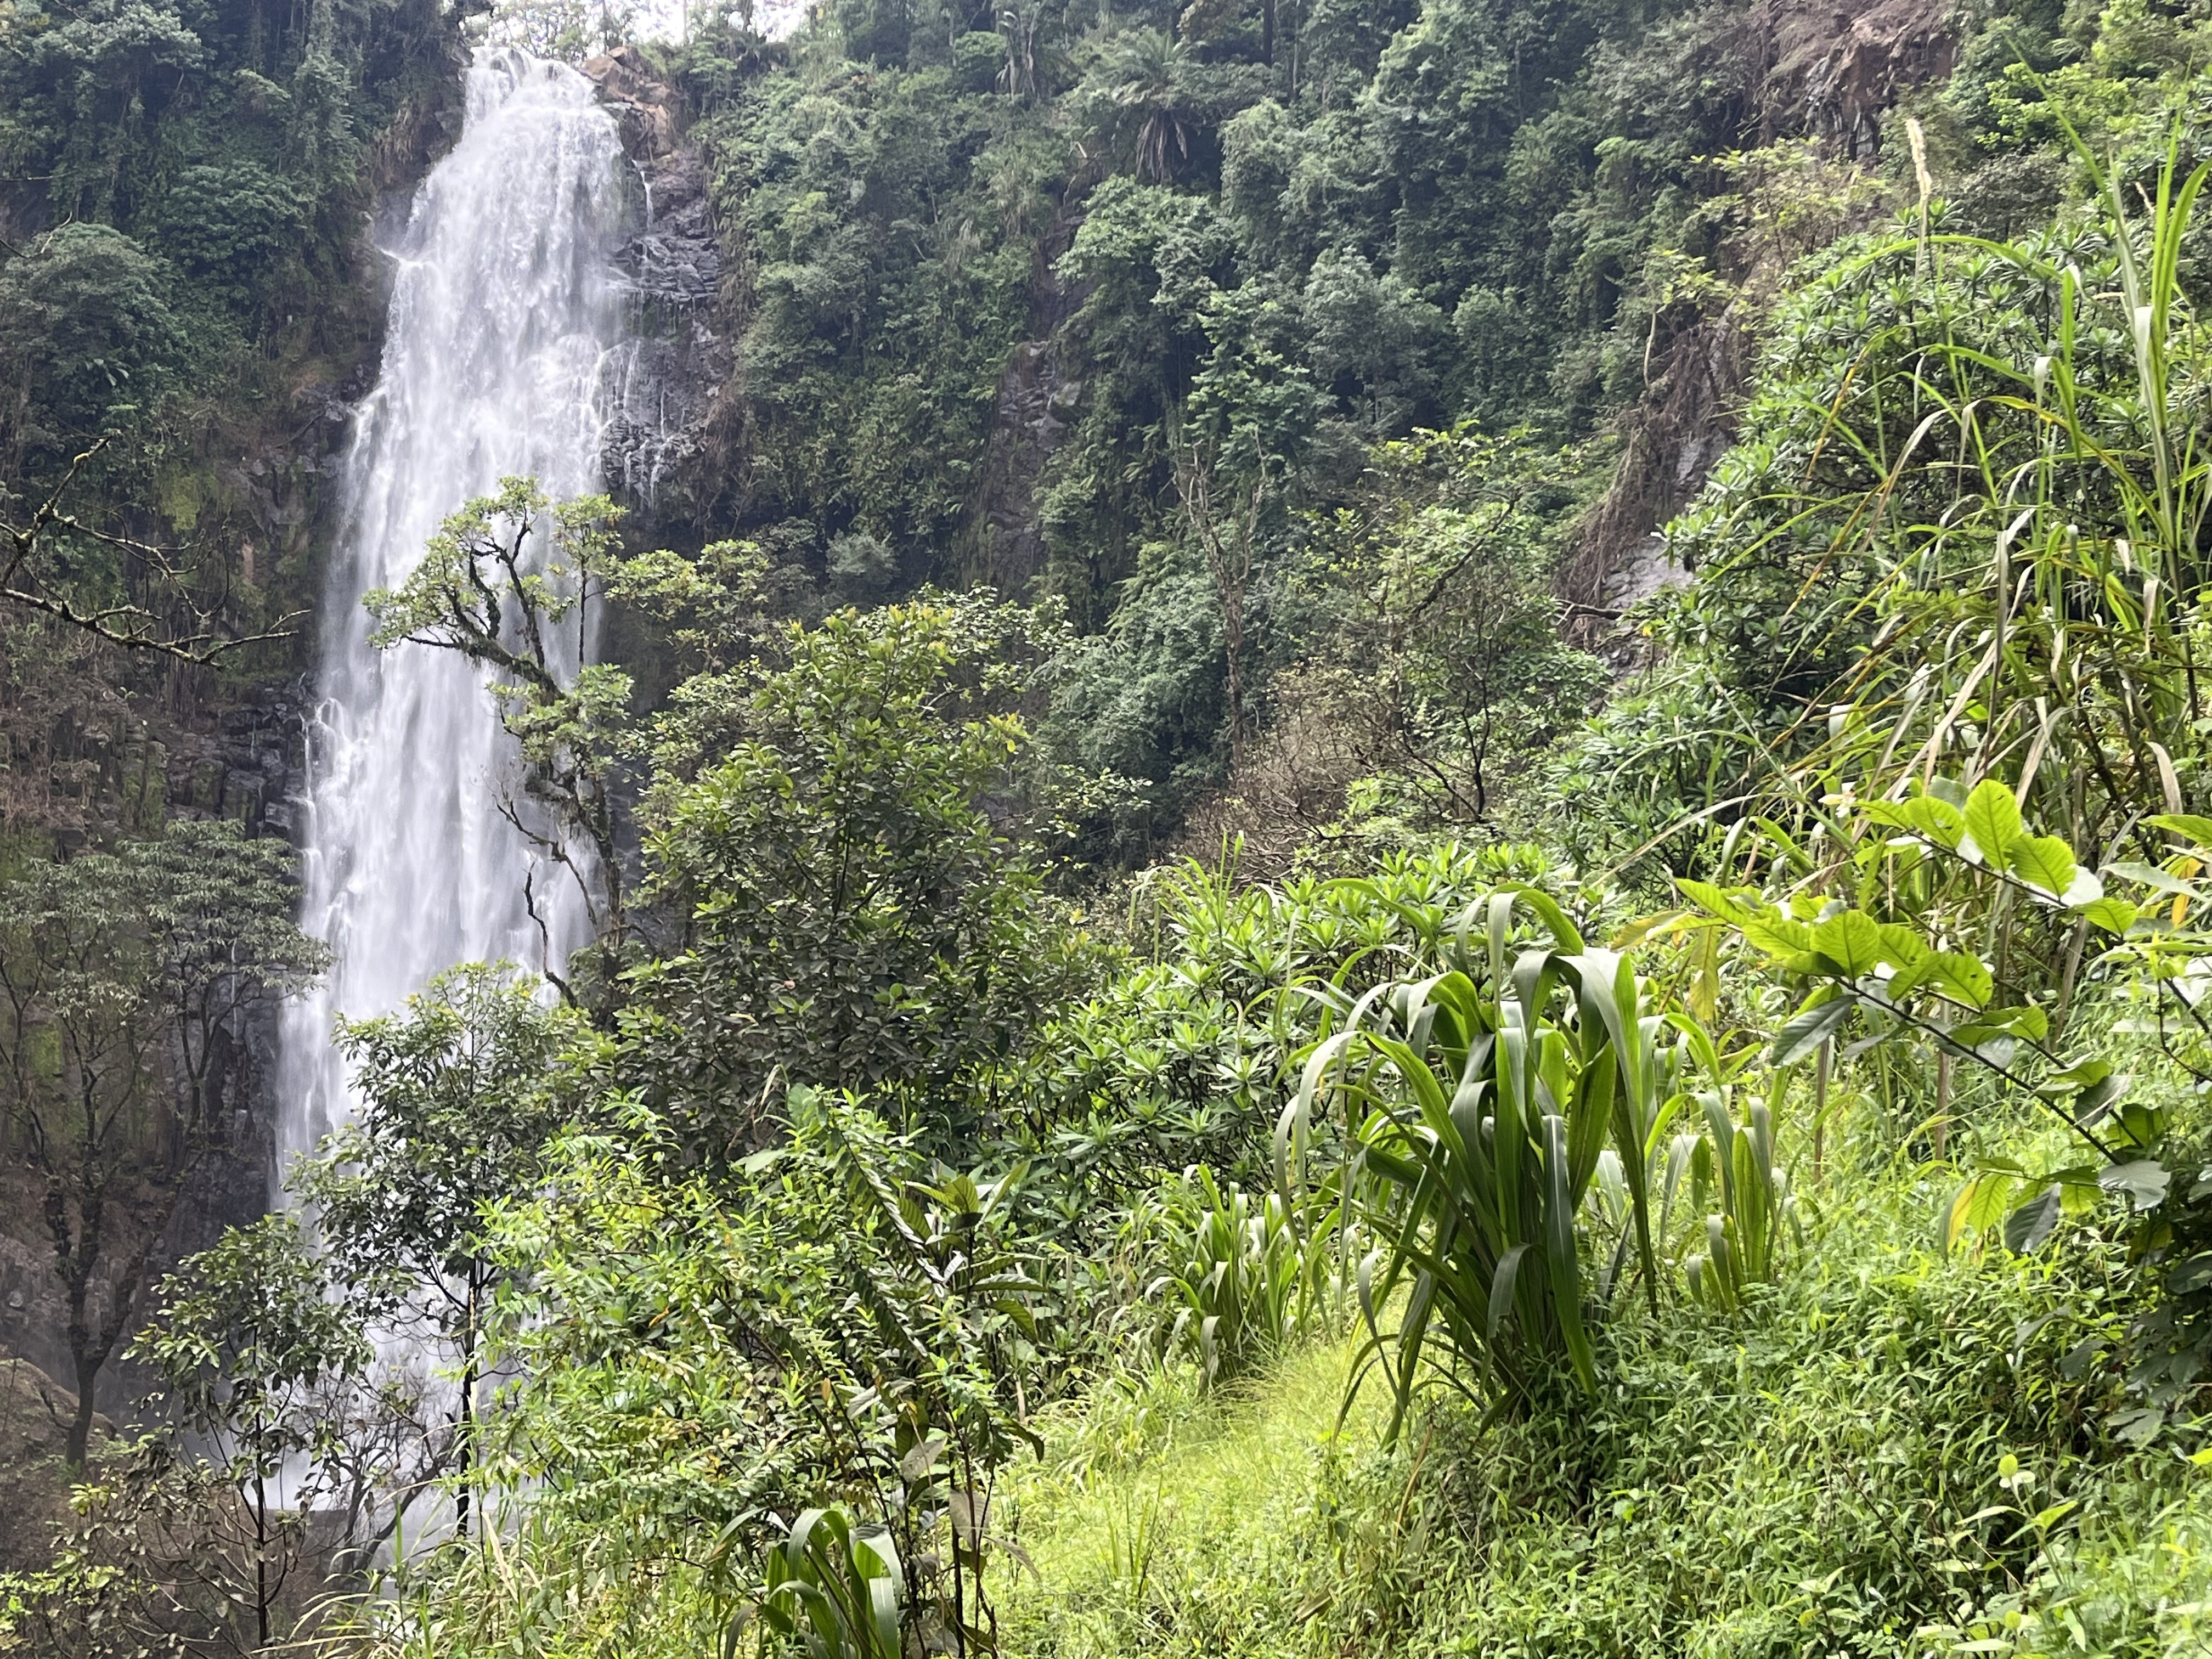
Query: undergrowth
point(1898, 1453)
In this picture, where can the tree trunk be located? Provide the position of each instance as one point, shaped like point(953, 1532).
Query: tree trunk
point(1229, 565)
point(467, 1428)
point(260, 1560)
point(80, 1257)
point(1233, 638)
point(80, 1428)
point(468, 1411)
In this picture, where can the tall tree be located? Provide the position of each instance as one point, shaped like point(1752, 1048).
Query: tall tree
point(125, 980)
point(860, 864)
point(458, 1094)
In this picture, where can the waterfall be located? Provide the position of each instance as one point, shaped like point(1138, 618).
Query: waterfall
point(505, 308)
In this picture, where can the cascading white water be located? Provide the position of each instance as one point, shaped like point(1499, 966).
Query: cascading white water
point(504, 309)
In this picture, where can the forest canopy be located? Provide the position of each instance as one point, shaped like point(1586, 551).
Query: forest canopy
point(1396, 844)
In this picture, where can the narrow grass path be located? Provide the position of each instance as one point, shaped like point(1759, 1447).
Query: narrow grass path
point(1167, 1522)
point(1890, 1458)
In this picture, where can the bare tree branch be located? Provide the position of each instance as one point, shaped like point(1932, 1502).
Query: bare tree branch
point(130, 626)
point(1228, 564)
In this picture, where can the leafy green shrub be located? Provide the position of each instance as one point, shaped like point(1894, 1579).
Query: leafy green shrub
point(1969, 458)
point(256, 1356)
point(1177, 1059)
point(458, 1093)
point(1895, 936)
point(228, 224)
point(692, 1361)
point(1744, 1237)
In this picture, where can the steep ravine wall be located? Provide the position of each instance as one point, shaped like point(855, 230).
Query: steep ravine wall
point(1830, 70)
point(200, 743)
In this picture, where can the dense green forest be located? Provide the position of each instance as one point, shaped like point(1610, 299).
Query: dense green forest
point(1397, 839)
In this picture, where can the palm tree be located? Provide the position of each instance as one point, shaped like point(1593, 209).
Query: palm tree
point(1141, 77)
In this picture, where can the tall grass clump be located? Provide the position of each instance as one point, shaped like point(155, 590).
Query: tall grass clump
point(1479, 1114)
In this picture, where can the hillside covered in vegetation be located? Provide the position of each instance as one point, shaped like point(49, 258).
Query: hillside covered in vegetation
point(1394, 814)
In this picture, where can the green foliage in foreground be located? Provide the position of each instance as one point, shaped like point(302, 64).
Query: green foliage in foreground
point(1892, 1456)
point(832, 1592)
point(1803, 1454)
point(836, 1321)
point(1865, 1461)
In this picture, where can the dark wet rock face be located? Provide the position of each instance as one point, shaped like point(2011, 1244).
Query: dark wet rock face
point(1834, 70)
point(664, 381)
point(249, 765)
point(1035, 403)
point(1821, 70)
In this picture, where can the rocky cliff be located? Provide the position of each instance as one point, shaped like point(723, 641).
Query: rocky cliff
point(663, 388)
point(1815, 68)
point(95, 743)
